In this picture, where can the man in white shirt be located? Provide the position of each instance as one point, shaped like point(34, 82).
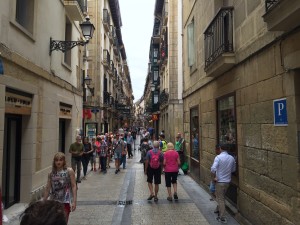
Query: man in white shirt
point(224, 165)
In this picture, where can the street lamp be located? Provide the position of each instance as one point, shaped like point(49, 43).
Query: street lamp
point(87, 29)
point(87, 80)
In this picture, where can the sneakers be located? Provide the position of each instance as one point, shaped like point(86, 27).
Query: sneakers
point(175, 196)
point(84, 178)
point(221, 219)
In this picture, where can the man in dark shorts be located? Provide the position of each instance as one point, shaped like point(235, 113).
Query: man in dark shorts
point(152, 171)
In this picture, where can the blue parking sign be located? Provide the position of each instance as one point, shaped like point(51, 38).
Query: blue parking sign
point(280, 112)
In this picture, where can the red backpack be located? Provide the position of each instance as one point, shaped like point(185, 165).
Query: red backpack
point(154, 160)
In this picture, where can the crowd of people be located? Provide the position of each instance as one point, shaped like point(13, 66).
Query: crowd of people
point(158, 157)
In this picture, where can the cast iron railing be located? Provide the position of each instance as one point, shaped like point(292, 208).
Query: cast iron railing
point(218, 37)
point(270, 3)
point(163, 97)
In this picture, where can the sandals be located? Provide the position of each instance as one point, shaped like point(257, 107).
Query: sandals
point(169, 199)
point(175, 196)
point(155, 199)
point(150, 198)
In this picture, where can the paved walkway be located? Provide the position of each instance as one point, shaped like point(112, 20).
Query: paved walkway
point(120, 199)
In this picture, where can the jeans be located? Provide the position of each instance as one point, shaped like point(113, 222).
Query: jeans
point(76, 163)
point(123, 161)
point(103, 160)
point(85, 163)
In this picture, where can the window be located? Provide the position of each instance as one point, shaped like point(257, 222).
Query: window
point(191, 44)
point(227, 123)
point(25, 14)
point(68, 37)
point(194, 126)
point(155, 75)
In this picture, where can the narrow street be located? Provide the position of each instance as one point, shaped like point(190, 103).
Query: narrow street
point(110, 199)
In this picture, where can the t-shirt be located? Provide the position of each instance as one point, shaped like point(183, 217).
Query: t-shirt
point(119, 146)
point(171, 158)
point(61, 186)
point(77, 148)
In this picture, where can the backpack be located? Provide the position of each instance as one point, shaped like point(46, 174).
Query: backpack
point(154, 161)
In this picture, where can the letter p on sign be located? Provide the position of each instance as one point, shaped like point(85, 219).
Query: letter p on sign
point(280, 112)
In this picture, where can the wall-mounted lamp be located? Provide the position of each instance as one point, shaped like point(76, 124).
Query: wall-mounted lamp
point(87, 80)
point(152, 87)
point(87, 29)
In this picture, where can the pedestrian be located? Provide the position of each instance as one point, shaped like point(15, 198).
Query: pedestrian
point(98, 145)
point(223, 166)
point(129, 141)
point(76, 149)
point(48, 212)
point(124, 153)
point(154, 160)
point(118, 147)
point(109, 150)
point(163, 143)
point(61, 183)
point(145, 147)
point(86, 156)
point(103, 154)
point(171, 166)
point(179, 146)
point(93, 158)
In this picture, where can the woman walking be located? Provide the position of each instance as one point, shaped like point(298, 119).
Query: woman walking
point(61, 185)
point(171, 164)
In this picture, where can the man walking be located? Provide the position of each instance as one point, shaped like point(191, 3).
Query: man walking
point(224, 165)
point(76, 149)
point(179, 147)
point(119, 147)
point(129, 142)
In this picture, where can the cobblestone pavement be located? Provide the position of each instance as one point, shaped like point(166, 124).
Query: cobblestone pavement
point(120, 199)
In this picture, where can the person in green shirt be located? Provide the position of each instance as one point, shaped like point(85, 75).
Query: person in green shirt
point(76, 149)
point(179, 147)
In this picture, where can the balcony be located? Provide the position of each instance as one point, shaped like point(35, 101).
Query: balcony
point(106, 20)
point(163, 98)
point(106, 59)
point(156, 31)
point(76, 9)
point(218, 41)
point(282, 15)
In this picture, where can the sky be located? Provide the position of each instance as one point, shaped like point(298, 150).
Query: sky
point(137, 25)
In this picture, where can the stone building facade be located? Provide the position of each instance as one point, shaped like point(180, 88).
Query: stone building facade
point(166, 68)
point(241, 89)
point(41, 93)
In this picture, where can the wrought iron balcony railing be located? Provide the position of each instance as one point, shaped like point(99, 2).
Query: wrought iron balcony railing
point(163, 97)
point(218, 37)
point(270, 3)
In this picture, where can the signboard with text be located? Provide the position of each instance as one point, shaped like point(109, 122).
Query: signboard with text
point(280, 112)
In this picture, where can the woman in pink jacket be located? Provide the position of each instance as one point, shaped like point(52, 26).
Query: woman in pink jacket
point(171, 166)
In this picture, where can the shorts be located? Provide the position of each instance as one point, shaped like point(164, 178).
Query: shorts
point(118, 155)
point(156, 173)
point(170, 177)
